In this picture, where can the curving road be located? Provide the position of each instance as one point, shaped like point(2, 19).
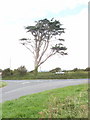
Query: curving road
point(18, 88)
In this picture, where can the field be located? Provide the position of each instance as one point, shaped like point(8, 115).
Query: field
point(67, 102)
point(49, 75)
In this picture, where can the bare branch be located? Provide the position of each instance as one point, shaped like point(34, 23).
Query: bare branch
point(44, 50)
point(47, 58)
point(30, 50)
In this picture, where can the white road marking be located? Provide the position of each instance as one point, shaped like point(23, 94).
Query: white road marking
point(25, 82)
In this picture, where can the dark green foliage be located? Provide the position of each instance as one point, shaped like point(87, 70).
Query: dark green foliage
point(22, 70)
point(59, 48)
point(55, 70)
point(48, 75)
point(46, 27)
point(75, 69)
point(14, 74)
point(7, 72)
point(21, 73)
point(87, 69)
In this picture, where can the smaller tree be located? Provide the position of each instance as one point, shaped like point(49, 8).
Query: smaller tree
point(22, 70)
point(87, 69)
point(7, 72)
point(55, 70)
point(75, 69)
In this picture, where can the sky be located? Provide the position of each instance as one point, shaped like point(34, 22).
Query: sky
point(16, 14)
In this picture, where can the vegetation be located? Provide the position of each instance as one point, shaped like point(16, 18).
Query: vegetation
point(21, 73)
point(55, 70)
point(45, 41)
point(22, 70)
point(13, 74)
point(87, 69)
point(2, 84)
point(48, 75)
point(67, 102)
point(7, 72)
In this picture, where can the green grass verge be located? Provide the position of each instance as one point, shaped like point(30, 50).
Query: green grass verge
point(49, 75)
point(67, 102)
point(2, 84)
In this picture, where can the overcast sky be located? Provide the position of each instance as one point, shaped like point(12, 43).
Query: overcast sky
point(16, 14)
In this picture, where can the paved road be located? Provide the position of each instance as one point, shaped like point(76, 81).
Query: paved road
point(17, 88)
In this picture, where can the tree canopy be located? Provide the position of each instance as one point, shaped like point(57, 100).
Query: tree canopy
point(46, 40)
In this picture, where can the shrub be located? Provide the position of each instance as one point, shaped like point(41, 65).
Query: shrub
point(71, 107)
point(7, 72)
point(87, 69)
point(22, 70)
point(55, 70)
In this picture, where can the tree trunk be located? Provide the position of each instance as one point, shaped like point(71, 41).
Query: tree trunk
point(36, 65)
point(36, 71)
point(36, 57)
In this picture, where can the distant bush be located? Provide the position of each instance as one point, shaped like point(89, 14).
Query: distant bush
point(55, 70)
point(87, 69)
point(7, 72)
point(75, 69)
point(22, 70)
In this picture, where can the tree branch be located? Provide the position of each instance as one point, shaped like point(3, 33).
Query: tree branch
point(44, 50)
point(29, 50)
point(47, 58)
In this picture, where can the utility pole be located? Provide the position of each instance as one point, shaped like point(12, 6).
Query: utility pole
point(10, 67)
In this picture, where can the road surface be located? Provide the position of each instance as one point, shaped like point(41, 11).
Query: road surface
point(18, 88)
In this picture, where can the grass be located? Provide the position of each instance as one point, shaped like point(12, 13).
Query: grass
point(67, 102)
point(49, 75)
point(2, 84)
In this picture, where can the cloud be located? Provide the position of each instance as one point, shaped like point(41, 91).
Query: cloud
point(73, 11)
